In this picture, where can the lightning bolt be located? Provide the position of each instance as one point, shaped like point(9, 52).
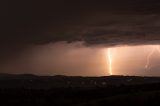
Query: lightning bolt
point(150, 54)
point(109, 56)
point(148, 58)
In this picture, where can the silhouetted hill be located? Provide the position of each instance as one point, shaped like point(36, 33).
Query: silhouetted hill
point(16, 76)
point(31, 90)
point(48, 82)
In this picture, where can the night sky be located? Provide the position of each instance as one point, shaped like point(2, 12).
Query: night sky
point(71, 37)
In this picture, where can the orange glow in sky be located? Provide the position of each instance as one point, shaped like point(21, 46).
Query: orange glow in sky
point(75, 59)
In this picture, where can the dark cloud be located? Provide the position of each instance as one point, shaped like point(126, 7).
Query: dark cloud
point(110, 22)
point(45, 21)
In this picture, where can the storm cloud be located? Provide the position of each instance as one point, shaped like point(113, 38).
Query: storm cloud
point(109, 22)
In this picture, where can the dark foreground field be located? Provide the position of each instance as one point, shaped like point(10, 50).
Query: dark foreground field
point(29, 90)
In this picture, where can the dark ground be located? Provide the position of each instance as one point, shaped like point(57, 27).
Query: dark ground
point(30, 90)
